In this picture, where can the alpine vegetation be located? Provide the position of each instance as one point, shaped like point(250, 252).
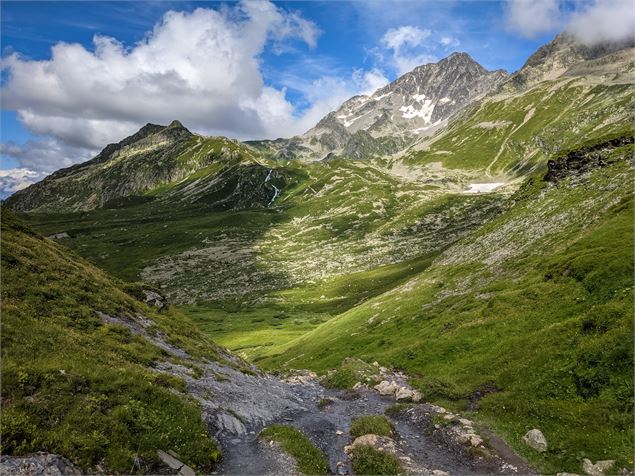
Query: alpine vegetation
point(434, 276)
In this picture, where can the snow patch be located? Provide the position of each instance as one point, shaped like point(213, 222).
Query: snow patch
point(483, 187)
point(382, 96)
point(425, 112)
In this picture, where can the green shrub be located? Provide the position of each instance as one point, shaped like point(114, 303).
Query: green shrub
point(368, 460)
point(371, 424)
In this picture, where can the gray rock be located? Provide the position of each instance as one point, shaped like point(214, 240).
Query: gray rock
point(600, 468)
point(58, 236)
point(154, 299)
point(387, 388)
point(44, 464)
point(169, 460)
point(536, 440)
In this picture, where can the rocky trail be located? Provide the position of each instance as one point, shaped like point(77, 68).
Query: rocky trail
point(325, 416)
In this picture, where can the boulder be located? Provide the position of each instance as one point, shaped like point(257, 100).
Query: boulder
point(380, 443)
point(153, 299)
point(404, 393)
point(474, 440)
point(387, 388)
point(598, 469)
point(536, 440)
point(170, 459)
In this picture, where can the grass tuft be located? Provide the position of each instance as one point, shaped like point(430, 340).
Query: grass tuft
point(371, 424)
point(310, 459)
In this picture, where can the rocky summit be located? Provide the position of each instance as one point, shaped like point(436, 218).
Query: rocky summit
point(436, 279)
point(414, 105)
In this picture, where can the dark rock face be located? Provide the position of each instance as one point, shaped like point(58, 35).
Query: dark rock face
point(583, 160)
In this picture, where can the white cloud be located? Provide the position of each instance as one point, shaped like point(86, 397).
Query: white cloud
point(604, 21)
point(403, 49)
point(201, 67)
point(405, 45)
point(12, 180)
point(530, 18)
point(404, 36)
point(367, 82)
point(590, 21)
point(450, 41)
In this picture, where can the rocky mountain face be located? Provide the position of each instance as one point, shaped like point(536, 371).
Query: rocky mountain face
point(556, 58)
point(126, 168)
point(414, 105)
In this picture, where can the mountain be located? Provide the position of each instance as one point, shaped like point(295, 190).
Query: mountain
point(557, 57)
point(383, 123)
point(156, 159)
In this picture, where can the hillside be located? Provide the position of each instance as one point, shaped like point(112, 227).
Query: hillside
point(81, 386)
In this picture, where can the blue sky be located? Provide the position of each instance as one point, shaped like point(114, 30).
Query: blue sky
point(77, 75)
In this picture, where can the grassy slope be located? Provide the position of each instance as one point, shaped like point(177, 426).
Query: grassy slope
point(309, 458)
point(74, 386)
point(526, 129)
point(537, 303)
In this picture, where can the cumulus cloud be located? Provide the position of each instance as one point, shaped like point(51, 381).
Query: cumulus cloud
point(201, 67)
point(407, 47)
point(604, 21)
point(590, 21)
point(367, 82)
point(530, 18)
point(450, 41)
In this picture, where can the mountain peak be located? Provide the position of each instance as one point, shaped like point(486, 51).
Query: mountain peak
point(174, 131)
point(176, 124)
point(552, 60)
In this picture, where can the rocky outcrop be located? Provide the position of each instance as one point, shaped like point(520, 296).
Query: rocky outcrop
point(600, 468)
point(554, 60)
point(584, 160)
point(400, 392)
point(171, 460)
point(381, 443)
